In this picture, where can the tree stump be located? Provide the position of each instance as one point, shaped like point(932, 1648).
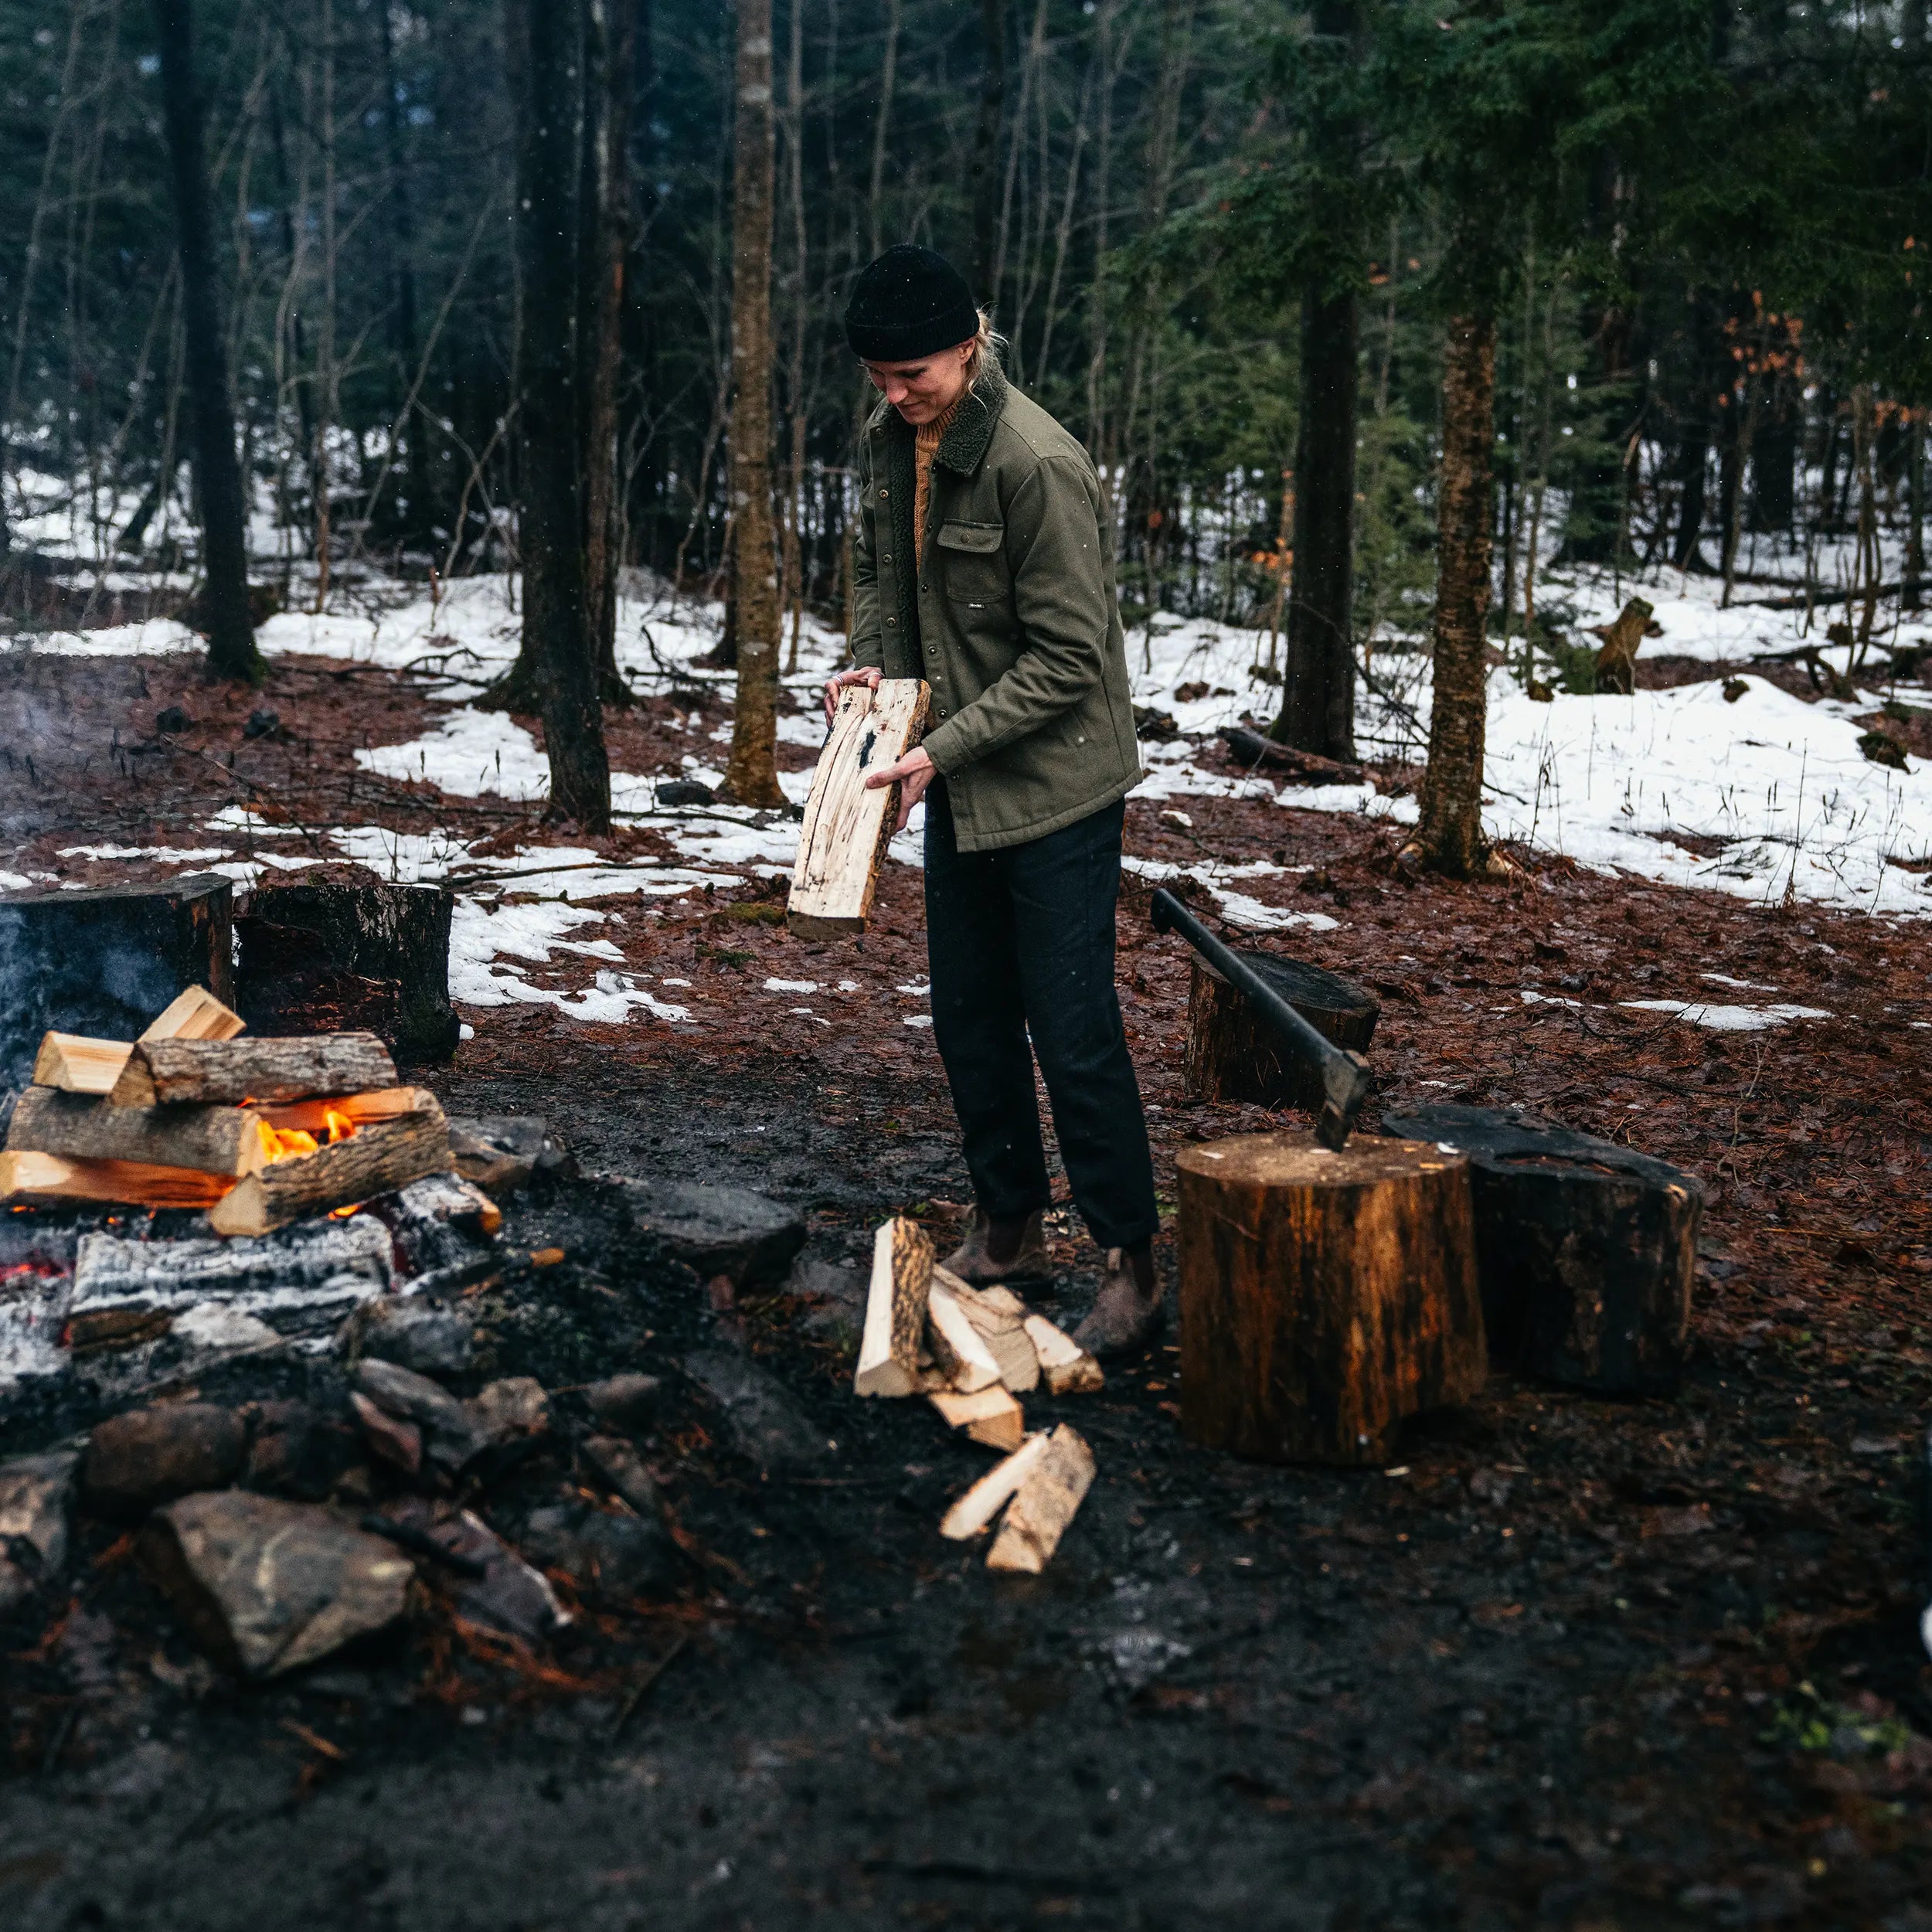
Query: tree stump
point(1234, 1054)
point(349, 958)
point(104, 962)
point(1586, 1249)
point(1324, 1296)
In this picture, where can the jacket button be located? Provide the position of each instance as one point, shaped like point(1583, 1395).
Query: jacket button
point(883, 494)
point(888, 556)
point(932, 650)
point(892, 620)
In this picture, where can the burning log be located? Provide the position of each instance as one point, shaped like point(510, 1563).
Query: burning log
point(1324, 1296)
point(351, 1110)
point(374, 1161)
point(902, 1275)
point(326, 1260)
point(103, 962)
point(331, 956)
point(1234, 1054)
point(168, 1072)
point(76, 1064)
point(211, 1140)
point(29, 1178)
point(847, 828)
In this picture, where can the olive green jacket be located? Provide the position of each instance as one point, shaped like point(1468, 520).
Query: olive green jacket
point(1010, 615)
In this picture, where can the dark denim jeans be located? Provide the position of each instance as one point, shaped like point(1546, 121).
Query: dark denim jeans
point(1021, 943)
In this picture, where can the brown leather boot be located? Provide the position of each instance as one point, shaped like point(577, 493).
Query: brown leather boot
point(1126, 1314)
point(1003, 1251)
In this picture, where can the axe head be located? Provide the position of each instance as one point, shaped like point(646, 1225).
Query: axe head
point(1345, 1083)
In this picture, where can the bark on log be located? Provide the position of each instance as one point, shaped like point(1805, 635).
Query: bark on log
point(372, 957)
point(164, 1073)
point(1039, 1515)
point(211, 1140)
point(1324, 1296)
point(104, 962)
point(1234, 1054)
point(26, 1177)
point(378, 1159)
point(902, 1277)
point(76, 1064)
point(1252, 749)
point(1585, 1250)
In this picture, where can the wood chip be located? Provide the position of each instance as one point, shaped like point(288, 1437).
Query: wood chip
point(843, 841)
point(902, 1274)
point(991, 1417)
point(973, 1512)
point(1045, 1505)
point(1067, 1368)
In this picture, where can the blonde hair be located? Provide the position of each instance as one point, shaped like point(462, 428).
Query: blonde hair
point(988, 344)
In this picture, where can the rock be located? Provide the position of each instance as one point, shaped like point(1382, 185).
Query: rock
point(626, 1401)
point(719, 1230)
point(298, 1451)
point(413, 1335)
point(619, 1554)
point(506, 1411)
point(834, 1300)
point(763, 1423)
point(173, 718)
point(218, 1329)
point(392, 1438)
point(683, 792)
point(266, 1586)
point(152, 1455)
point(262, 722)
point(509, 1596)
point(36, 1494)
point(449, 1436)
point(500, 1152)
point(1882, 749)
point(621, 1470)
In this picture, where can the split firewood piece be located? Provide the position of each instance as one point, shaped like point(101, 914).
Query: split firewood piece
point(902, 1275)
point(1000, 1316)
point(76, 1063)
point(29, 1176)
point(214, 1140)
point(194, 1013)
point(964, 1359)
point(388, 1155)
point(1039, 1513)
point(73, 1063)
point(842, 842)
point(311, 1116)
point(161, 1072)
point(1068, 1369)
point(973, 1512)
point(991, 1416)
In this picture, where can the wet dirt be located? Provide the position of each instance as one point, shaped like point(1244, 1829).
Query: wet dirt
point(1568, 1662)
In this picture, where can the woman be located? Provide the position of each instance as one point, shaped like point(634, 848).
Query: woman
point(979, 565)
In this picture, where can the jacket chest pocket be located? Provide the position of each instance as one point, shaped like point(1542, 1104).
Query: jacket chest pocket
point(972, 562)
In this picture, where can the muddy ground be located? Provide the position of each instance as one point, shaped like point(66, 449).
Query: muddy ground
point(1568, 1662)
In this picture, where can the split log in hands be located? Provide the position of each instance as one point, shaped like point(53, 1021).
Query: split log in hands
point(842, 843)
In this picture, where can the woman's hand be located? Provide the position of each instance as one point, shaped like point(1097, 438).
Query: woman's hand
point(911, 775)
point(864, 674)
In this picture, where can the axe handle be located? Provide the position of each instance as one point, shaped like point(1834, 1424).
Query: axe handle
point(1344, 1075)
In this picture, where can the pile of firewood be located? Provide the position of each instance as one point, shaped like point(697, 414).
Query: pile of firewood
point(973, 1352)
point(260, 1132)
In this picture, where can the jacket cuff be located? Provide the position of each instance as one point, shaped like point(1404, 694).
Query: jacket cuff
point(947, 748)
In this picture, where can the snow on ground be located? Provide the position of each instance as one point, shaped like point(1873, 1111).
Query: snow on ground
point(1762, 797)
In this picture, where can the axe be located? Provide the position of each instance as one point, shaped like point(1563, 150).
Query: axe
point(1344, 1075)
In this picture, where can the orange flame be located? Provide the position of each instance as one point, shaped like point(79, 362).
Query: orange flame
point(287, 1143)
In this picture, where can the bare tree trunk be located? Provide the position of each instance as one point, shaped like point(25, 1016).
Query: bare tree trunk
point(545, 53)
point(1318, 690)
point(420, 518)
point(231, 631)
point(985, 175)
point(887, 71)
point(751, 778)
point(325, 351)
point(604, 240)
point(1450, 836)
point(1863, 436)
point(1915, 511)
point(794, 579)
point(1103, 22)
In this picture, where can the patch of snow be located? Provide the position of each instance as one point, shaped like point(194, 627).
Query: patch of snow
point(792, 986)
point(1728, 1019)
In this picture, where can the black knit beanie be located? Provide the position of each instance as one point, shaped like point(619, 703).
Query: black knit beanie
point(911, 303)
